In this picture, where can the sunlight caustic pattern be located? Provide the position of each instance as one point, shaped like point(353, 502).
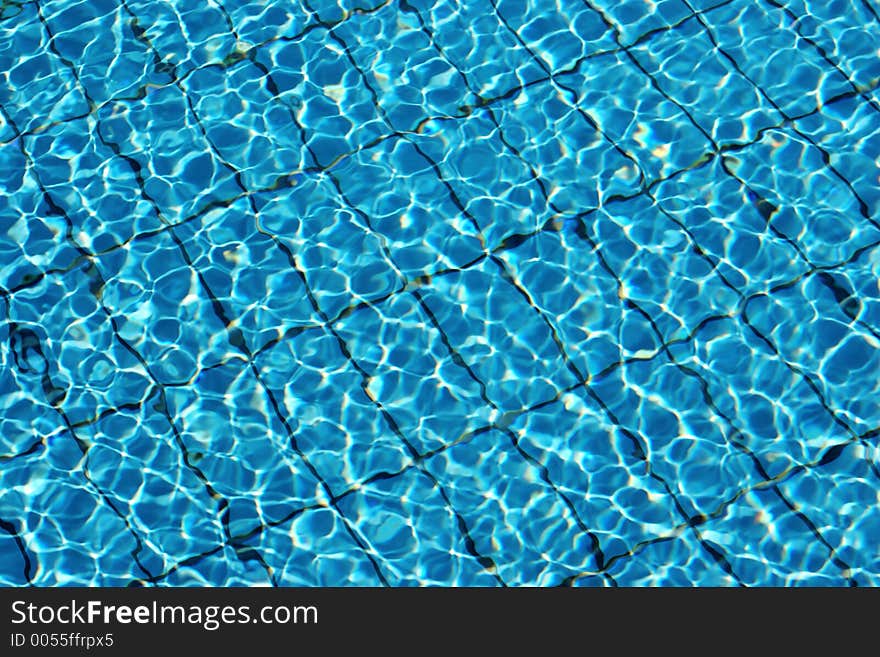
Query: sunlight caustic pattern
point(419, 292)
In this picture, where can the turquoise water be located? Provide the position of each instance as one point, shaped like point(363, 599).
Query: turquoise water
point(439, 293)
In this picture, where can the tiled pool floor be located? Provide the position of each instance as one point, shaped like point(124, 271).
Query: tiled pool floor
point(439, 293)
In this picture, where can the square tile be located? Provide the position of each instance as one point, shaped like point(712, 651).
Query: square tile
point(344, 260)
point(840, 497)
point(252, 130)
point(409, 208)
point(686, 442)
point(101, 194)
point(599, 469)
point(780, 418)
point(317, 82)
point(488, 183)
point(161, 310)
point(480, 46)
point(804, 199)
point(35, 238)
point(416, 535)
point(655, 133)
point(336, 425)
point(248, 273)
point(727, 224)
point(688, 68)
point(504, 340)
point(37, 88)
point(771, 45)
point(411, 79)
point(184, 36)
point(565, 279)
point(231, 432)
point(161, 139)
point(768, 544)
point(135, 459)
point(578, 166)
point(520, 522)
point(413, 374)
point(315, 549)
point(561, 34)
point(72, 536)
point(811, 325)
point(849, 133)
point(104, 48)
point(66, 350)
point(843, 30)
point(659, 269)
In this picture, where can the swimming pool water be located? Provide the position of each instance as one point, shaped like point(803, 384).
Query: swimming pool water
point(440, 293)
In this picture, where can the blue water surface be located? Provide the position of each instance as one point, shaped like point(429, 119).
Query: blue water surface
point(418, 292)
